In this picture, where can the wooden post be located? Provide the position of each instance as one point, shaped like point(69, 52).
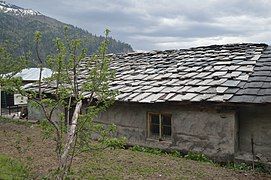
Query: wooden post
point(253, 153)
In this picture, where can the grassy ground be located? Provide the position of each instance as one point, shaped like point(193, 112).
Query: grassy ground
point(12, 169)
point(23, 142)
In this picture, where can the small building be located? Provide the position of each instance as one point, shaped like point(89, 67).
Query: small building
point(13, 101)
point(214, 100)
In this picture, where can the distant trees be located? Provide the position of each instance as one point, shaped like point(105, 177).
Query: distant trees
point(9, 66)
point(20, 30)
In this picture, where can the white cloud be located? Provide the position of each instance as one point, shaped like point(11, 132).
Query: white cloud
point(163, 24)
point(244, 22)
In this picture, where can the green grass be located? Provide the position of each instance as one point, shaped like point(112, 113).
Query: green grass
point(127, 164)
point(133, 163)
point(12, 169)
point(15, 121)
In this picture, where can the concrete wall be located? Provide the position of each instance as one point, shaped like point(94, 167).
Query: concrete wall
point(255, 121)
point(36, 114)
point(196, 129)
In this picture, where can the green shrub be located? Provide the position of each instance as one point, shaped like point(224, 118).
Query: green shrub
point(197, 157)
point(259, 167)
point(238, 166)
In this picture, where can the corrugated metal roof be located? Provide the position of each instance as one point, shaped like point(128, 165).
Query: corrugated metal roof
point(32, 74)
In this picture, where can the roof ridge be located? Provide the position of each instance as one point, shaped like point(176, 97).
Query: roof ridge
point(212, 46)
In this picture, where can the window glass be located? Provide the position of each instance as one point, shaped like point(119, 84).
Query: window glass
point(166, 119)
point(154, 124)
point(155, 118)
point(166, 125)
point(160, 128)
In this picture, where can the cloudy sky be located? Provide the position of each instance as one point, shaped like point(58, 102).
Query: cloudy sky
point(164, 24)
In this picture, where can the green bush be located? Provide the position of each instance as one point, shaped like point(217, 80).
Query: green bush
point(197, 157)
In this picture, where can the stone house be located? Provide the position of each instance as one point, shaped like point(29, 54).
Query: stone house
point(214, 100)
point(210, 100)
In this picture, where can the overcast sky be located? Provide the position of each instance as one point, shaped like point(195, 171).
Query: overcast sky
point(164, 24)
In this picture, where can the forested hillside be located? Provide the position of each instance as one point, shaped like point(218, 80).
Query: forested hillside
point(20, 29)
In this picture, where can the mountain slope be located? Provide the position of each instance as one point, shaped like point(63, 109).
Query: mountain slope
point(16, 10)
point(18, 26)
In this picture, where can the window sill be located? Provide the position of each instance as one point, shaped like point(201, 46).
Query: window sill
point(166, 141)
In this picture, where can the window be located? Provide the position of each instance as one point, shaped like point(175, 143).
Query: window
point(159, 126)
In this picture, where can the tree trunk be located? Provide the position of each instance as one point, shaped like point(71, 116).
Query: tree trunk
point(71, 138)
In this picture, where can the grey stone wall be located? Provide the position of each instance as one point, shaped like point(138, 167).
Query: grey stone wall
point(194, 128)
point(255, 121)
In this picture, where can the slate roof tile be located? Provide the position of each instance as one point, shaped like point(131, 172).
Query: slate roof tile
point(140, 97)
point(210, 90)
point(201, 75)
point(217, 98)
point(231, 90)
point(171, 89)
point(243, 99)
point(236, 73)
point(202, 97)
point(217, 82)
point(156, 89)
point(243, 77)
point(254, 84)
point(262, 73)
point(122, 96)
point(193, 82)
point(262, 99)
point(258, 78)
point(152, 98)
point(231, 83)
point(251, 91)
point(241, 84)
point(165, 97)
point(267, 85)
point(205, 82)
point(183, 97)
point(131, 96)
point(221, 90)
point(184, 89)
point(267, 92)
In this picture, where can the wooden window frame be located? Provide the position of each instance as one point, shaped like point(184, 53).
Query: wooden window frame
point(161, 136)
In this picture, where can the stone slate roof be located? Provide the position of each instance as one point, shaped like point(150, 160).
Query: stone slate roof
point(234, 73)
